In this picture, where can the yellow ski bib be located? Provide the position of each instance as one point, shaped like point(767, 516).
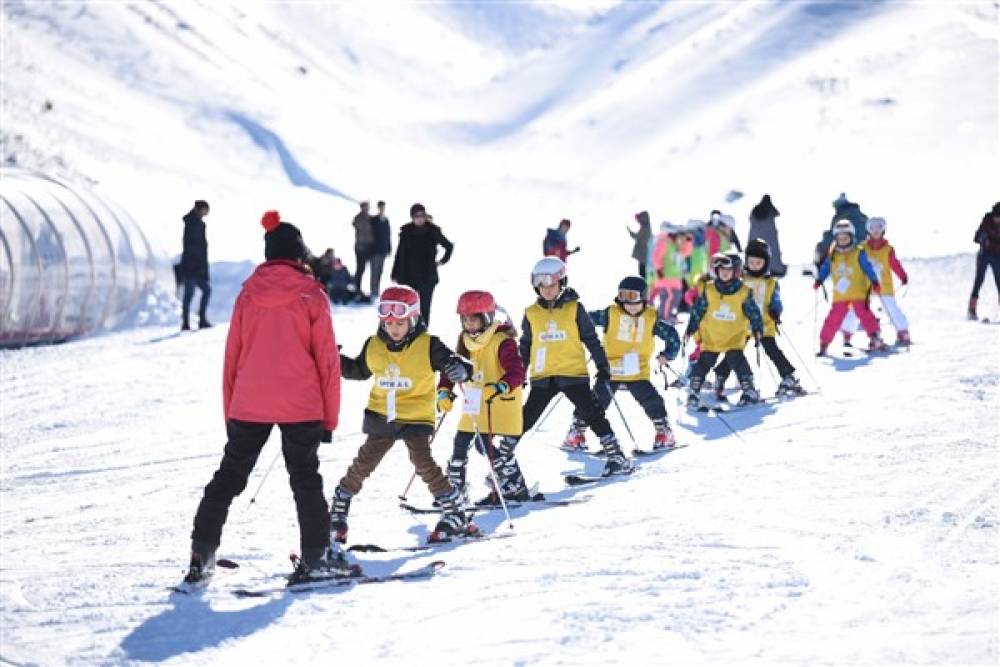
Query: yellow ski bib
point(762, 289)
point(628, 342)
point(724, 326)
point(505, 411)
point(849, 282)
point(556, 348)
point(402, 382)
point(880, 262)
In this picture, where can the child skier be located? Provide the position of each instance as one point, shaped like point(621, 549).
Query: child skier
point(883, 259)
point(852, 274)
point(281, 367)
point(668, 268)
point(492, 396)
point(554, 331)
point(402, 357)
point(629, 329)
point(767, 294)
point(721, 316)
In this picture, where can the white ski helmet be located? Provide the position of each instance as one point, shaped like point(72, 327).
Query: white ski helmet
point(548, 271)
point(843, 227)
point(875, 225)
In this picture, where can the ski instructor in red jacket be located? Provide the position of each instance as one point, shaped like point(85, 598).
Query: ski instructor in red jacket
point(282, 367)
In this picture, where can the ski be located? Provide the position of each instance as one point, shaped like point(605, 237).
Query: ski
point(483, 537)
point(191, 588)
point(538, 500)
point(656, 452)
point(579, 480)
point(335, 581)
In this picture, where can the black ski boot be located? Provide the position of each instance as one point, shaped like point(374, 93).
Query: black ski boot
point(454, 522)
point(340, 505)
point(750, 395)
point(664, 438)
point(508, 474)
point(720, 389)
point(617, 463)
point(319, 563)
point(694, 392)
point(456, 475)
point(790, 386)
point(202, 563)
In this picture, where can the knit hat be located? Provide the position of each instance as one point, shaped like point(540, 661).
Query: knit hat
point(759, 248)
point(282, 240)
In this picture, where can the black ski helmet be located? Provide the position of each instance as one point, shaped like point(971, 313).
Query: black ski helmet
point(632, 283)
point(759, 248)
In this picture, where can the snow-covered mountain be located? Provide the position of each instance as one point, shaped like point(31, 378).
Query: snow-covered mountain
point(512, 115)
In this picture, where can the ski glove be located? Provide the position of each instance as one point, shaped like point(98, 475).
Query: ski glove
point(775, 315)
point(603, 375)
point(445, 400)
point(817, 285)
point(499, 388)
point(456, 372)
point(327, 436)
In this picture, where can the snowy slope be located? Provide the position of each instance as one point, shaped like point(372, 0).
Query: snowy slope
point(859, 525)
point(512, 114)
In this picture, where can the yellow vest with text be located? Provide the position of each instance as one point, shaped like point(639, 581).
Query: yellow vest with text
point(849, 282)
point(629, 335)
point(762, 289)
point(724, 326)
point(556, 348)
point(403, 387)
point(505, 412)
point(880, 262)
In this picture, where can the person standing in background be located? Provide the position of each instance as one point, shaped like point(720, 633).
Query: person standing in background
point(194, 265)
point(364, 241)
point(381, 247)
point(641, 249)
point(416, 259)
point(555, 244)
point(762, 226)
point(988, 238)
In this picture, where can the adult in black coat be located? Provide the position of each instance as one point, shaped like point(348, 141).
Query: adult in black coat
point(381, 247)
point(416, 256)
point(193, 269)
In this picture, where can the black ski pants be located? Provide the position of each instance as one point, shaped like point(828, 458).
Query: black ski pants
point(642, 391)
point(774, 353)
point(299, 444)
point(206, 291)
point(982, 262)
point(735, 359)
point(579, 395)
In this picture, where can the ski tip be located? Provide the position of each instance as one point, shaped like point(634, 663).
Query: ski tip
point(366, 548)
point(227, 564)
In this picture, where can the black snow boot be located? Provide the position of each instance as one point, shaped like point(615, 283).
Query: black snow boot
point(617, 463)
point(202, 563)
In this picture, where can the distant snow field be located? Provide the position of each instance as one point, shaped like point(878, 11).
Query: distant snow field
point(855, 525)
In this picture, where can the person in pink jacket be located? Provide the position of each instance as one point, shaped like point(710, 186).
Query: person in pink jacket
point(281, 367)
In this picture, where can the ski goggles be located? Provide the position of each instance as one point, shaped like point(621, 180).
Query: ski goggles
point(396, 310)
point(630, 296)
point(723, 263)
point(543, 280)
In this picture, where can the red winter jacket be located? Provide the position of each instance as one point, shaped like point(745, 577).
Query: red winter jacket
point(282, 364)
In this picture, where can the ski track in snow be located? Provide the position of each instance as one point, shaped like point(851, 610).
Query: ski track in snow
point(856, 525)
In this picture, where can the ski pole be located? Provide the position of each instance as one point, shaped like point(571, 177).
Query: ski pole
point(437, 428)
point(489, 456)
point(815, 309)
point(263, 479)
point(788, 339)
point(544, 417)
point(716, 413)
point(621, 414)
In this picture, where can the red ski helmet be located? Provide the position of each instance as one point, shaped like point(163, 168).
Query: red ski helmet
point(478, 302)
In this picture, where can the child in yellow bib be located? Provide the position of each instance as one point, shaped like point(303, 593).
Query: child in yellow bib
point(883, 259)
point(721, 316)
point(630, 328)
point(852, 274)
point(554, 332)
point(491, 402)
point(402, 359)
point(767, 294)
